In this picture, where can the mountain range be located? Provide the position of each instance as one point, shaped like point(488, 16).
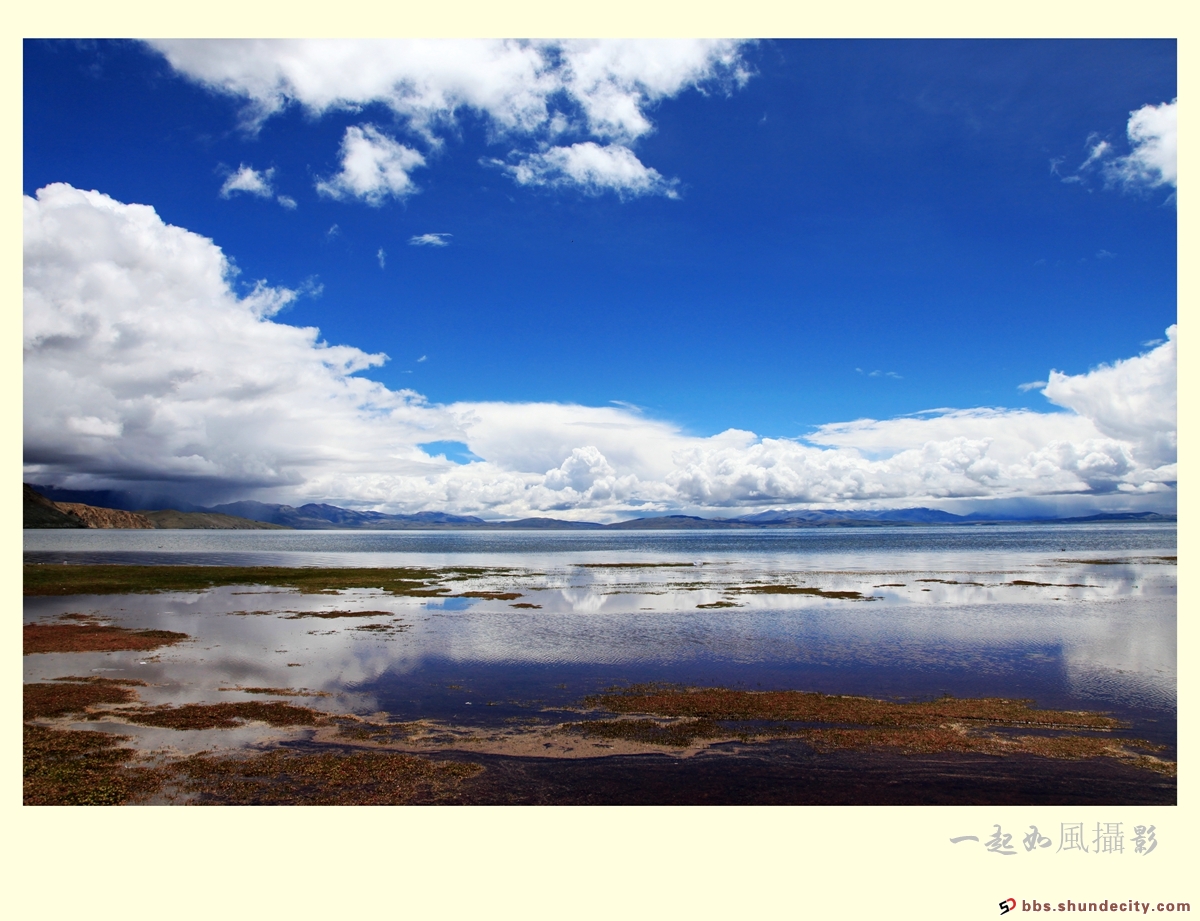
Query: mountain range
point(314, 516)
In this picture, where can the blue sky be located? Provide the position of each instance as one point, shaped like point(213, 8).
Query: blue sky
point(722, 255)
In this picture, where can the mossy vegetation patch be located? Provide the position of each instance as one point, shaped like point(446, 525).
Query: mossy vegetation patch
point(52, 579)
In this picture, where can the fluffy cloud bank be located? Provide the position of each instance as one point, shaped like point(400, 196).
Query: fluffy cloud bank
point(146, 369)
point(531, 95)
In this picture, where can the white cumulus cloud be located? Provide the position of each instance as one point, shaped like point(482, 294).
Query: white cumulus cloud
point(594, 169)
point(374, 167)
point(1152, 161)
point(529, 93)
point(1132, 400)
point(249, 180)
point(147, 364)
point(142, 363)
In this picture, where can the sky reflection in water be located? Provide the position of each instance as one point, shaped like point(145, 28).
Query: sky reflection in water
point(1109, 645)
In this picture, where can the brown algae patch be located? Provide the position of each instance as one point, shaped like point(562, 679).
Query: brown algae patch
point(357, 729)
point(320, 778)
point(930, 740)
point(812, 707)
point(489, 596)
point(280, 692)
point(718, 604)
point(1125, 562)
point(65, 767)
point(109, 579)
point(79, 768)
point(979, 726)
point(636, 565)
point(46, 700)
point(74, 767)
point(679, 734)
point(800, 590)
point(526, 606)
point(224, 716)
point(85, 634)
point(382, 628)
point(332, 615)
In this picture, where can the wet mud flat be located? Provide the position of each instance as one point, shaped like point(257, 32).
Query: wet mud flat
point(893, 754)
point(278, 692)
point(70, 767)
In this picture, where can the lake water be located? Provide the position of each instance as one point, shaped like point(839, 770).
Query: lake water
point(1072, 616)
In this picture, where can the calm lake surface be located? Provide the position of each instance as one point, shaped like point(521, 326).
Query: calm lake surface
point(1072, 616)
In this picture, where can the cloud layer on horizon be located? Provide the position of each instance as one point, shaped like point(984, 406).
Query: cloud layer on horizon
point(550, 102)
point(145, 368)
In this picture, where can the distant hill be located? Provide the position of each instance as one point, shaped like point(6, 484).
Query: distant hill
point(313, 517)
point(682, 523)
point(544, 524)
point(106, 518)
point(170, 519)
point(40, 512)
point(867, 518)
point(113, 498)
point(827, 515)
point(1118, 516)
point(804, 518)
